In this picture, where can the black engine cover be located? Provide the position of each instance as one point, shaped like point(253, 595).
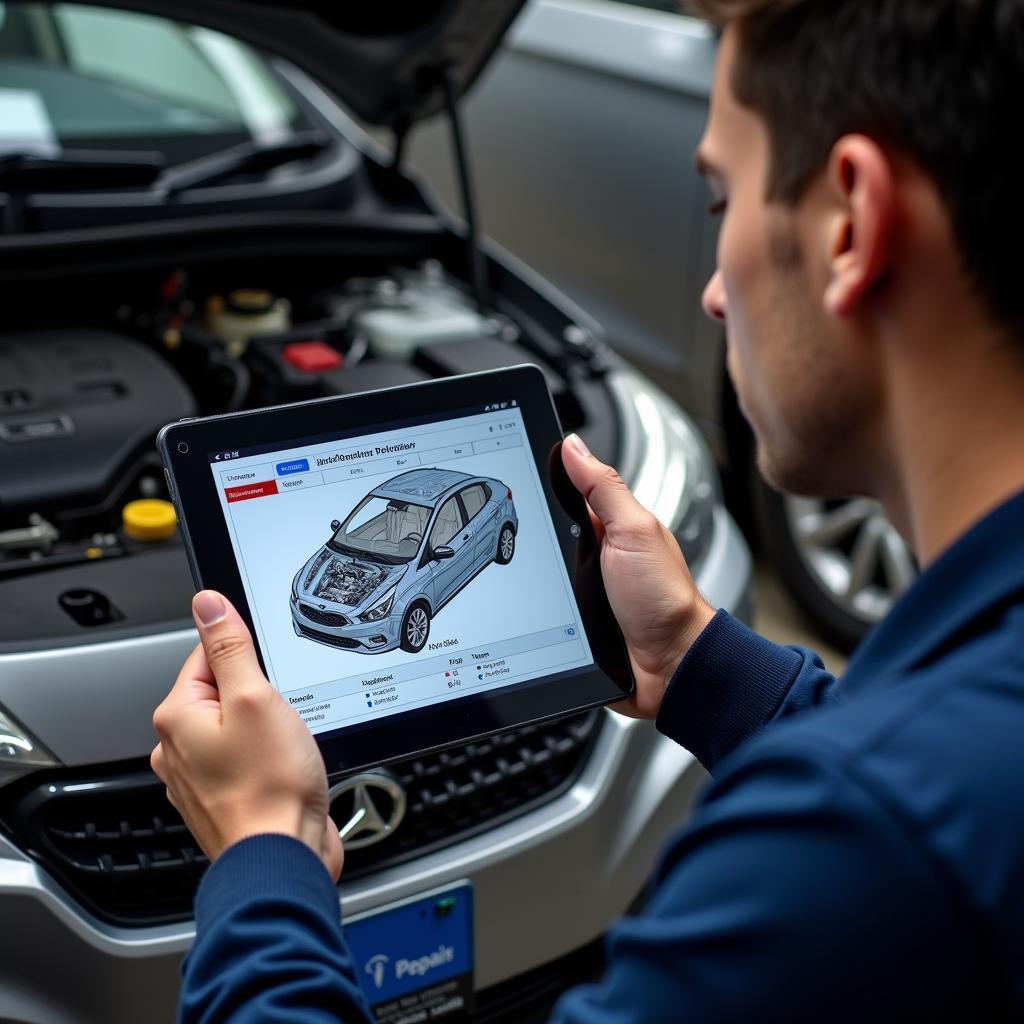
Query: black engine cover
point(76, 408)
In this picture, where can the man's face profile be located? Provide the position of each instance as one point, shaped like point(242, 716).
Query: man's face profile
point(796, 377)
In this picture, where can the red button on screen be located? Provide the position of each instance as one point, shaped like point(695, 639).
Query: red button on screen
point(247, 491)
point(311, 356)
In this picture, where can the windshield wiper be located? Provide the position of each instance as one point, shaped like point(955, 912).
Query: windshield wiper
point(248, 158)
point(79, 170)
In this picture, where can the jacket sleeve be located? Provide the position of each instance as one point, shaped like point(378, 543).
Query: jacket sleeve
point(731, 683)
point(269, 945)
point(794, 896)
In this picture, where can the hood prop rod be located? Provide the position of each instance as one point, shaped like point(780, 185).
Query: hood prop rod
point(400, 130)
point(477, 266)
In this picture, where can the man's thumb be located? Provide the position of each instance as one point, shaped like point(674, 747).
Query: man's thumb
point(226, 640)
point(606, 493)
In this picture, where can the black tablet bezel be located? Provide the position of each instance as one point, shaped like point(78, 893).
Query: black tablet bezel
point(186, 448)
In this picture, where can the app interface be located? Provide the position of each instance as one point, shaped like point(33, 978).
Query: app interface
point(402, 568)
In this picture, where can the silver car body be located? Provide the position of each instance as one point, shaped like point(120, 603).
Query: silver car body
point(546, 882)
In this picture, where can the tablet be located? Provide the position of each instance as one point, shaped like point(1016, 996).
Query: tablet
point(415, 567)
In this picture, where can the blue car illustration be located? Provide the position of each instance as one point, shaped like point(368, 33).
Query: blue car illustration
point(399, 557)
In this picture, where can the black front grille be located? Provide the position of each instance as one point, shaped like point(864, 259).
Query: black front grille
point(468, 789)
point(119, 847)
point(326, 638)
point(324, 618)
point(114, 841)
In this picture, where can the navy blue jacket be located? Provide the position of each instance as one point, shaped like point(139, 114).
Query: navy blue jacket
point(860, 858)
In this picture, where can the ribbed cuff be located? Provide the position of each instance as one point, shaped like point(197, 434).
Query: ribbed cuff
point(730, 683)
point(265, 866)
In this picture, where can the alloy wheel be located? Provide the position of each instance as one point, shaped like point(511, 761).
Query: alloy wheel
point(852, 552)
point(416, 628)
point(508, 543)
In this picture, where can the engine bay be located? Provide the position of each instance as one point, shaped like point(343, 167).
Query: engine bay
point(87, 533)
point(349, 582)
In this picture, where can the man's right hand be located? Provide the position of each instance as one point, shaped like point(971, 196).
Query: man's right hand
point(650, 589)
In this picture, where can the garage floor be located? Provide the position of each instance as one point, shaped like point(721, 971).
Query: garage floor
point(778, 619)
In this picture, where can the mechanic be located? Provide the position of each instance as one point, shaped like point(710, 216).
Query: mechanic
point(860, 852)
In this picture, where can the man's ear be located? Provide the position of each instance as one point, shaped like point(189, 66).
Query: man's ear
point(862, 192)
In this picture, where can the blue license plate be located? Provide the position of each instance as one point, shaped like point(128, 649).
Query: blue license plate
point(415, 959)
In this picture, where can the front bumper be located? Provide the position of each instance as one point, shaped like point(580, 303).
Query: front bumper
point(361, 637)
point(545, 883)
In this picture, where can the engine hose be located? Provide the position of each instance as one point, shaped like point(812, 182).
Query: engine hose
point(239, 373)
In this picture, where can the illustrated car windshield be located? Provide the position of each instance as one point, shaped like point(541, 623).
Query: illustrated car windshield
point(382, 529)
point(81, 77)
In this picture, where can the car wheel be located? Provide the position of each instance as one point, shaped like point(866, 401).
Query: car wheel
point(506, 545)
point(843, 561)
point(415, 627)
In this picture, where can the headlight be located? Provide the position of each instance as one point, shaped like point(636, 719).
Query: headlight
point(20, 751)
point(666, 462)
point(379, 610)
point(295, 585)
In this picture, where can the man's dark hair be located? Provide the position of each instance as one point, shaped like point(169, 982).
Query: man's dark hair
point(939, 80)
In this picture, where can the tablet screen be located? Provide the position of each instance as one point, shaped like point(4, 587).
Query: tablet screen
point(403, 567)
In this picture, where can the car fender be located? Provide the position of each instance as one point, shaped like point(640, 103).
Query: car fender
point(414, 585)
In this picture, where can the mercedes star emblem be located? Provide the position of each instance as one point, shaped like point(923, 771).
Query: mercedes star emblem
point(371, 805)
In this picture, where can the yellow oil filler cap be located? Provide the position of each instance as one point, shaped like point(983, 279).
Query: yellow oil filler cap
point(149, 519)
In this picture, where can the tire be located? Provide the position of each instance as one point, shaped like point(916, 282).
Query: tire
point(506, 545)
point(842, 561)
point(415, 627)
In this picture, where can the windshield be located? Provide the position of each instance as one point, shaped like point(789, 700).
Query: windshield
point(75, 76)
point(382, 529)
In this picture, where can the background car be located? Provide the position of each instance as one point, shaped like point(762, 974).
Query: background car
point(583, 131)
point(191, 227)
point(399, 557)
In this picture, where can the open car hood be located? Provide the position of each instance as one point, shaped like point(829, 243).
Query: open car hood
point(383, 58)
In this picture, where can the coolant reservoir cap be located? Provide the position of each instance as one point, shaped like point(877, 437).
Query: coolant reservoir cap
point(149, 519)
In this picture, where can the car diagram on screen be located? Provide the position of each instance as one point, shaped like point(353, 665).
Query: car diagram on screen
point(399, 557)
